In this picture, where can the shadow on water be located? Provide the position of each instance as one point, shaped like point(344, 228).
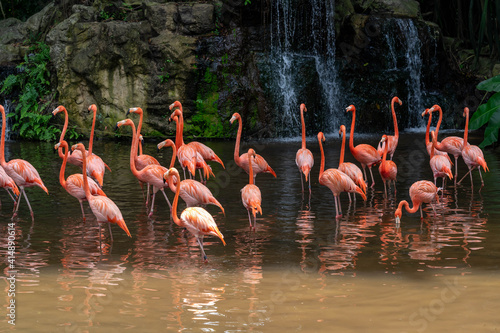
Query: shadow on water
point(302, 269)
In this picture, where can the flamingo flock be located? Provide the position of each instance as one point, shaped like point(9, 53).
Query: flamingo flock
point(17, 174)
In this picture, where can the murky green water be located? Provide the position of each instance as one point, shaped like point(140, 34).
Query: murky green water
point(300, 271)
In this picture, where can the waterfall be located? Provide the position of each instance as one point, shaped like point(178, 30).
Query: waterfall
point(8, 106)
point(301, 62)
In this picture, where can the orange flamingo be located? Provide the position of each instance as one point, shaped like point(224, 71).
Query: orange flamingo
point(192, 191)
point(350, 169)
point(259, 164)
point(152, 174)
point(196, 220)
point(250, 194)
point(74, 183)
point(21, 171)
point(95, 165)
point(472, 155)
point(392, 140)
point(336, 180)
point(388, 169)
point(207, 153)
point(440, 165)
point(185, 153)
point(8, 183)
point(365, 154)
point(142, 160)
point(75, 157)
point(452, 144)
point(104, 209)
point(304, 158)
point(422, 191)
point(428, 143)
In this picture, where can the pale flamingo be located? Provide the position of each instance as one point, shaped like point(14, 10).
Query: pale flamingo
point(365, 154)
point(95, 165)
point(75, 157)
point(422, 191)
point(440, 164)
point(392, 140)
point(74, 183)
point(428, 143)
point(304, 158)
point(21, 171)
point(192, 191)
point(336, 180)
point(452, 144)
point(350, 169)
point(388, 169)
point(196, 220)
point(259, 164)
point(152, 174)
point(472, 155)
point(207, 153)
point(8, 183)
point(104, 209)
point(250, 194)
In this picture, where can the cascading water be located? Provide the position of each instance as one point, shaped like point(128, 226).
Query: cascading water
point(301, 63)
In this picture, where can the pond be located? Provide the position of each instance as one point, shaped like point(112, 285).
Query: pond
point(301, 270)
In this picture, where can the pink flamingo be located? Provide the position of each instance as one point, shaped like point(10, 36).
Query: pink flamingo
point(196, 220)
point(207, 153)
point(142, 160)
point(104, 209)
point(422, 191)
point(259, 164)
point(250, 194)
point(452, 144)
point(8, 183)
point(392, 140)
point(152, 174)
point(21, 171)
point(185, 154)
point(472, 155)
point(336, 180)
point(304, 158)
point(75, 157)
point(95, 165)
point(350, 169)
point(365, 154)
point(192, 191)
point(428, 143)
point(440, 164)
point(388, 169)
point(74, 183)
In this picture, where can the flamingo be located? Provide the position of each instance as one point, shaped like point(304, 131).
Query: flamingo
point(196, 220)
point(250, 194)
point(21, 171)
point(192, 191)
point(440, 165)
point(392, 140)
point(259, 164)
point(207, 153)
point(74, 183)
point(8, 183)
point(350, 169)
point(422, 191)
point(95, 165)
point(304, 158)
point(336, 180)
point(452, 144)
point(388, 169)
point(104, 209)
point(185, 154)
point(365, 154)
point(428, 143)
point(152, 174)
point(75, 157)
point(472, 155)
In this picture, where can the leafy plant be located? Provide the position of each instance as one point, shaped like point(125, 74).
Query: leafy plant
point(488, 112)
point(32, 81)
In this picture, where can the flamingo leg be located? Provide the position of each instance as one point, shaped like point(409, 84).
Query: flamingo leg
point(385, 188)
point(165, 195)
point(471, 181)
point(81, 206)
point(421, 214)
point(340, 206)
point(464, 176)
point(336, 207)
point(249, 218)
point(16, 208)
point(371, 173)
point(301, 181)
point(394, 181)
point(29, 206)
point(434, 209)
point(310, 186)
point(147, 195)
point(110, 233)
point(184, 169)
point(364, 172)
point(152, 204)
point(200, 241)
point(456, 169)
point(254, 221)
point(480, 175)
point(10, 195)
point(349, 195)
point(142, 188)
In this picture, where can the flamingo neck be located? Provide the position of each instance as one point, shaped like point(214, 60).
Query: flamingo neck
point(237, 145)
point(427, 129)
point(176, 201)
point(91, 140)
point(62, 180)
point(351, 138)
point(436, 144)
point(250, 168)
point(384, 157)
point(63, 133)
point(86, 188)
point(140, 147)
point(177, 133)
point(139, 127)
point(174, 154)
point(2, 142)
point(395, 119)
point(133, 149)
point(303, 128)
point(406, 205)
point(466, 129)
point(322, 167)
point(439, 121)
point(172, 185)
point(342, 149)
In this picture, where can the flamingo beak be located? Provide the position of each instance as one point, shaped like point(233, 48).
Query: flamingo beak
point(348, 108)
point(398, 220)
point(233, 118)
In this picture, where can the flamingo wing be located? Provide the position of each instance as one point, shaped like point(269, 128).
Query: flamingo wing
point(199, 222)
point(187, 158)
point(7, 182)
point(251, 198)
point(366, 154)
point(105, 210)
point(207, 153)
point(423, 191)
point(142, 161)
point(96, 168)
point(74, 186)
point(24, 174)
point(355, 173)
point(305, 161)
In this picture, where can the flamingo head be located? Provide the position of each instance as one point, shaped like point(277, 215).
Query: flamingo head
point(170, 173)
point(134, 110)
point(61, 143)
point(466, 112)
point(175, 104)
point(397, 215)
point(60, 108)
point(168, 143)
point(303, 108)
point(425, 112)
point(384, 138)
point(397, 100)
point(93, 108)
point(177, 113)
point(251, 152)
point(341, 130)
point(235, 116)
point(78, 146)
point(350, 108)
point(124, 122)
point(141, 138)
point(435, 107)
point(321, 137)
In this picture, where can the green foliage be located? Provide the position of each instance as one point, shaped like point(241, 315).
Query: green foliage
point(488, 112)
point(33, 83)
